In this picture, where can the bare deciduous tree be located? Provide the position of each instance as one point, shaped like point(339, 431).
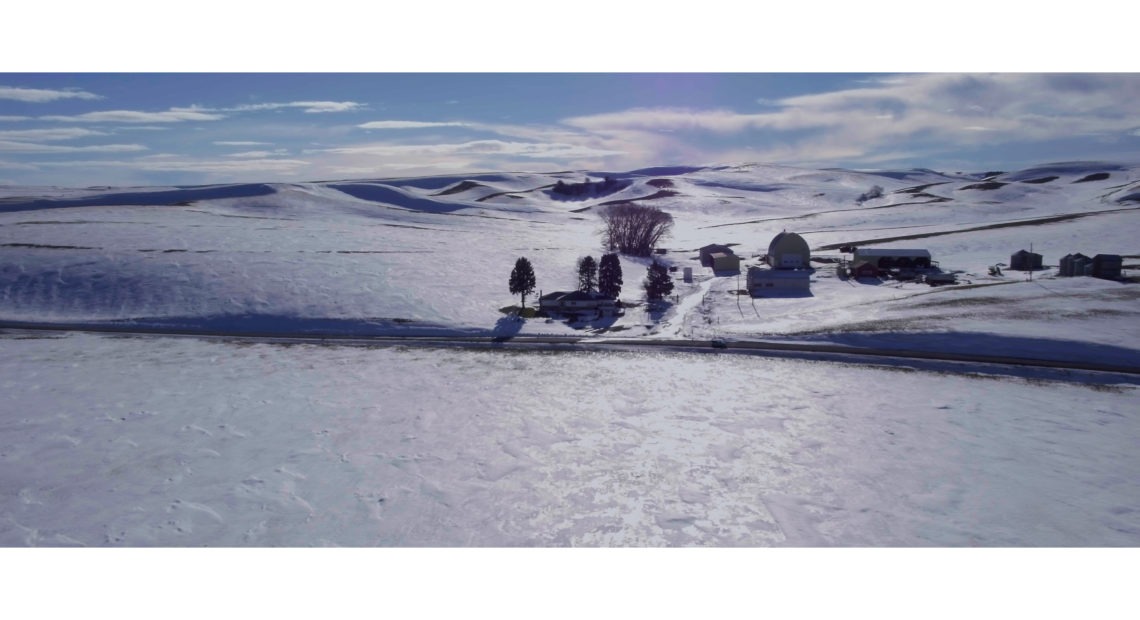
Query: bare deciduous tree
point(634, 229)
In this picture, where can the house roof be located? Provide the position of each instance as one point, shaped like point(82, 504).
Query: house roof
point(882, 252)
point(585, 296)
point(756, 273)
point(716, 247)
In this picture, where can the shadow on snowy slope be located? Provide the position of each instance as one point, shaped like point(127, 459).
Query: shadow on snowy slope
point(180, 196)
point(989, 344)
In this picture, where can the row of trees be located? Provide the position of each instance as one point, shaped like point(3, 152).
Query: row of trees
point(604, 277)
point(634, 229)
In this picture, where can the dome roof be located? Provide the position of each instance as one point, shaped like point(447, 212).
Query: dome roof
point(788, 242)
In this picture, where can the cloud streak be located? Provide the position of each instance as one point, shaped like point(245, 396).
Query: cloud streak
point(410, 124)
point(173, 115)
point(42, 95)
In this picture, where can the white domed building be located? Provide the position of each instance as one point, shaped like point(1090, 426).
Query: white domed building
point(789, 251)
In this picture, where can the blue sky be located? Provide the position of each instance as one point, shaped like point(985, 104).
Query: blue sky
point(79, 129)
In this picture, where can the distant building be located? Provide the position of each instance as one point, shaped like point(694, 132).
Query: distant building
point(864, 269)
point(713, 248)
point(577, 302)
point(1025, 261)
point(1107, 266)
point(1067, 264)
point(891, 258)
point(725, 262)
point(1081, 266)
point(761, 280)
point(789, 251)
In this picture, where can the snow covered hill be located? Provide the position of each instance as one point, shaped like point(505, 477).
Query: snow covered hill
point(432, 254)
point(158, 441)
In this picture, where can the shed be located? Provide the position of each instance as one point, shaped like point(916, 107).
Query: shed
point(725, 262)
point(864, 269)
point(1081, 266)
point(889, 258)
point(1024, 261)
point(760, 280)
point(1067, 264)
point(1107, 266)
point(789, 251)
point(713, 248)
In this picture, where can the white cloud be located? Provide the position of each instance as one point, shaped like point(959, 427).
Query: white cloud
point(309, 107)
point(239, 143)
point(173, 115)
point(48, 134)
point(409, 124)
point(177, 163)
point(28, 147)
point(258, 154)
point(475, 147)
point(940, 112)
point(40, 95)
point(9, 119)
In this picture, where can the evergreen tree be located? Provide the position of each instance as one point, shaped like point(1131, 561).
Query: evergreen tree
point(609, 275)
point(587, 274)
point(658, 282)
point(522, 279)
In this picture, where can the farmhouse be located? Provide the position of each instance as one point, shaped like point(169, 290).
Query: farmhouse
point(789, 251)
point(889, 258)
point(1067, 262)
point(577, 302)
point(1024, 261)
point(762, 280)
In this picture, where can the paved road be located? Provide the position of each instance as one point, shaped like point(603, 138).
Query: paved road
point(834, 352)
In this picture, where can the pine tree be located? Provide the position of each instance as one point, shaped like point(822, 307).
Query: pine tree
point(522, 280)
point(658, 282)
point(587, 274)
point(609, 275)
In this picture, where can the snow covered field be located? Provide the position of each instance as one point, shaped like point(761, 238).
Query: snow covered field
point(112, 441)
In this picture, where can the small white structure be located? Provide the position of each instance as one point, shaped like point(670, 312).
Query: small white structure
point(761, 280)
point(789, 251)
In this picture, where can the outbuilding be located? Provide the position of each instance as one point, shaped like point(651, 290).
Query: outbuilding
point(725, 262)
point(789, 251)
point(761, 280)
point(891, 258)
point(1107, 266)
point(1067, 262)
point(864, 269)
point(1025, 261)
point(714, 248)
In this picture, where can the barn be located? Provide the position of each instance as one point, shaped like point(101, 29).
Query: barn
point(890, 258)
point(762, 280)
point(1024, 261)
point(789, 251)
